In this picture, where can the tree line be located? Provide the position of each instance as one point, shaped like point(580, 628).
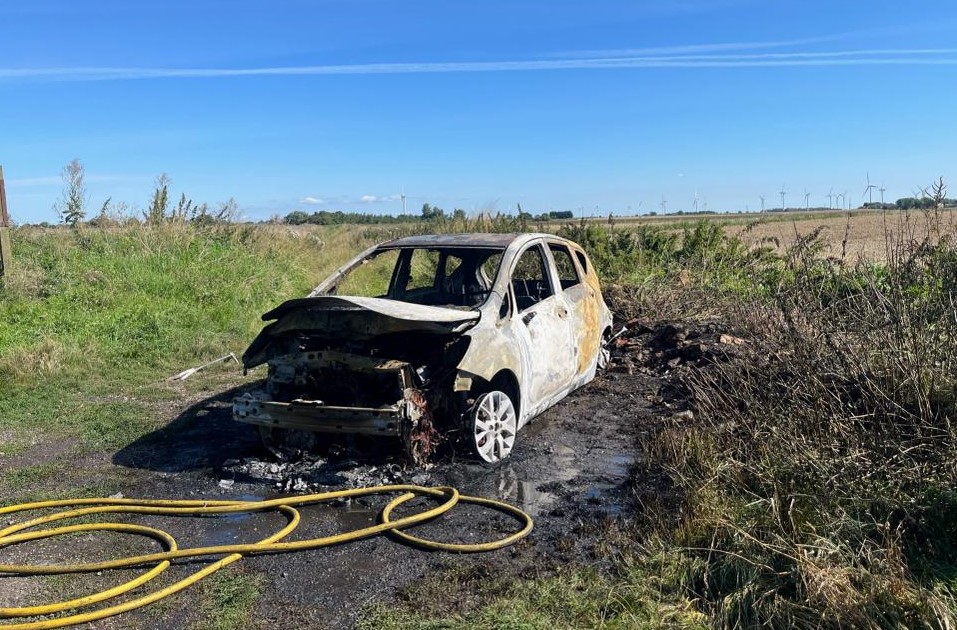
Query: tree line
point(428, 213)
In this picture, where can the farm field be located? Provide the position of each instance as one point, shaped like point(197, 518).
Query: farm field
point(854, 235)
point(771, 445)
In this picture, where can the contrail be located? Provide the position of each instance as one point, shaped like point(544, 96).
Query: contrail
point(875, 57)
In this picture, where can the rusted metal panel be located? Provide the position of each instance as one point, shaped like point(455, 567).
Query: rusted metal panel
point(4, 227)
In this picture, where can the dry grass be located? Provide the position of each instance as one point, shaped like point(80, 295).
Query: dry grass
point(852, 236)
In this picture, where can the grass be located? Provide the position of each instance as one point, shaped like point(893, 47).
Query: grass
point(576, 597)
point(95, 313)
point(31, 475)
point(228, 598)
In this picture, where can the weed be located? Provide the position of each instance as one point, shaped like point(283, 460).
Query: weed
point(228, 599)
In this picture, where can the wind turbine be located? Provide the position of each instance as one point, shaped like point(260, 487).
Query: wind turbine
point(847, 200)
point(664, 204)
point(762, 202)
point(807, 196)
point(830, 198)
point(403, 199)
point(882, 189)
point(869, 190)
point(783, 193)
point(696, 202)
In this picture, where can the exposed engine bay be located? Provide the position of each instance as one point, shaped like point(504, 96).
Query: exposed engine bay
point(397, 384)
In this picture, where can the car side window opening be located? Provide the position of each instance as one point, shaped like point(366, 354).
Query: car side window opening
point(423, 267)
point(464, 280)
point(567, 273)
point(530, 282)
point(582, 260)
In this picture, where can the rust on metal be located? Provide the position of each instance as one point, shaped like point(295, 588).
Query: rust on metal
point(4, 227)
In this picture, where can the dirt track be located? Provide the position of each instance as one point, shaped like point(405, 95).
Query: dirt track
point(570, 469)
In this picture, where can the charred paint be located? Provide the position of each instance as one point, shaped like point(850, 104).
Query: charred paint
point(390, 366)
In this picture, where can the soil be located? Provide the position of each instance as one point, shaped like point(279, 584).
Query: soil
point(570, 469)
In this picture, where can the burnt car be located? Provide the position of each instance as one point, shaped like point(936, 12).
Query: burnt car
point(426, 338)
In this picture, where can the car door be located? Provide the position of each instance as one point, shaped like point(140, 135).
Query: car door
point(582, 305)
point(541, 321)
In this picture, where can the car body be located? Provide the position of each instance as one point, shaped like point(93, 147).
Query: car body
point(429, 337)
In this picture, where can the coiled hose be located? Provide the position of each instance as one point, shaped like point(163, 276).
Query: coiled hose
point(11, 535)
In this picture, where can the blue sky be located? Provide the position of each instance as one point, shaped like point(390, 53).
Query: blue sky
point(600, 106)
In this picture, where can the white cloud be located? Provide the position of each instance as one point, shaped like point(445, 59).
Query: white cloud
point(861, 57)
point(312, 201)
point(378, 199)
point(57, 180)
point(51, 180)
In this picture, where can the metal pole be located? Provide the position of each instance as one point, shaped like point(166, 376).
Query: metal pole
point(5, 255)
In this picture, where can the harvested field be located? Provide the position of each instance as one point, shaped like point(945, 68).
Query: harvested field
point(854, 236)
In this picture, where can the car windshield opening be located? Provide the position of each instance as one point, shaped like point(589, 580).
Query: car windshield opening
point(457, 277)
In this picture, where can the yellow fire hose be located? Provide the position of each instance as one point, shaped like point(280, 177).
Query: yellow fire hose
point(449, 497)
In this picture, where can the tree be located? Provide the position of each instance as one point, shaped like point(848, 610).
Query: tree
point(296, 217)
point(430, 213)
point(71, 206)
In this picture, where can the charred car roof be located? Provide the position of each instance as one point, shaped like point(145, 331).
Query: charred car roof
point(498, 241)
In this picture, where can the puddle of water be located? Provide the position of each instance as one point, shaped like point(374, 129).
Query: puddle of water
point(232, 528)
point(619, 466)
point(601, 495)
point(241, 516)
point(521, 492)
point(614, 471)
point(612, 468)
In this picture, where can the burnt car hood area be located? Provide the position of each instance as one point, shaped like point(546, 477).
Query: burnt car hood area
point(351, 318)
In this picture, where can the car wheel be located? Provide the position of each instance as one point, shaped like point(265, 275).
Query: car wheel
point(494, 424)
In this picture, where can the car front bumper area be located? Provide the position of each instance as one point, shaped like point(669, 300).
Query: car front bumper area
point(315, 416)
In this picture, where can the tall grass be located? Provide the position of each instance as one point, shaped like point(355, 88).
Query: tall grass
point(90, 317)
point(817, 487)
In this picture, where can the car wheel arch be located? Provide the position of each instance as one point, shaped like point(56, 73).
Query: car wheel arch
point(504, 381)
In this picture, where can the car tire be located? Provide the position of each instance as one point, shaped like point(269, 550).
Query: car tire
point(493, 425)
